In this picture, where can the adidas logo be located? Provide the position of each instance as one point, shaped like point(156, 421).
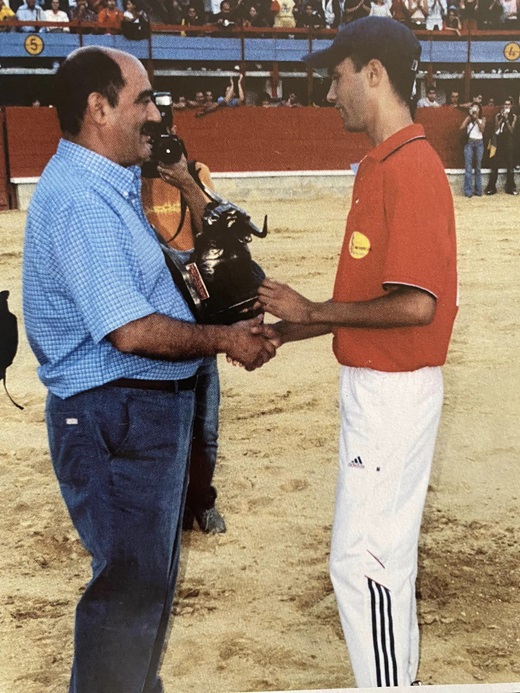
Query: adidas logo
point(357, 463)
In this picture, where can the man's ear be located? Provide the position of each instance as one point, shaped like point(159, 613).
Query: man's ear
point(97, 108)
point(375, 71)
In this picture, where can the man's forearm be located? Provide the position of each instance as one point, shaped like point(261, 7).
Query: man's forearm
point(160, 337)
point(292, 332)
point(157, 336)
point(400, 308)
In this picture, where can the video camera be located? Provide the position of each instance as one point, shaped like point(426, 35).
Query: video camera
point(166, 147)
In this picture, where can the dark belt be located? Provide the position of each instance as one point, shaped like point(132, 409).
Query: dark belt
point(164, 385)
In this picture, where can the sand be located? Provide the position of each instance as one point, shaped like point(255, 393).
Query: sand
point(255, 609)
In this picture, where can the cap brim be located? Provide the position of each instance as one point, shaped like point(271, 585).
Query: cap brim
point(328, 57)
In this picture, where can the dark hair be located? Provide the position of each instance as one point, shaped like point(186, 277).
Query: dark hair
point(402, 80)
point(85, 71)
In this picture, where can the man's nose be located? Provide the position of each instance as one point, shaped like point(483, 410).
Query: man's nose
point(154, 114)
point(331, 94)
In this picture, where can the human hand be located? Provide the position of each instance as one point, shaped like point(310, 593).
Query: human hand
point(283, 302)
point(175, 174)
point(248, 347)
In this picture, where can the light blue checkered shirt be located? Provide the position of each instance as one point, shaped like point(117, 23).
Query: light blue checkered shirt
point(91, 264)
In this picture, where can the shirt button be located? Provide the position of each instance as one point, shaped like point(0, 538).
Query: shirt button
point(356, 201)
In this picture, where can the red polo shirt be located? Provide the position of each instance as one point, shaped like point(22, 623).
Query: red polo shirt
point(400, 230)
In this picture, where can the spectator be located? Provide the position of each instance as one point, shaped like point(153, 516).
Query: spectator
point(400, 12)
point(30, 12)
point(417, 11)
point(284, 15)
point(181, 104)
point(509, 12)
point(380, 8)
point(135, 24)
point(453, 101)
point(232, 98)
point(82, 13)
point(6, 15)
point(291, 101)
point(355, 9)
point(436, 11)
point(198, 101)
point(429, 100)
point(310, 19)
point(192, 17)
point(501, 149)
point(331, 12)
point(265, 100)
point(110, 17)
point(225, 19)
point(489, 14)
point(473, 128)
point(491, 102)
point(452, 22)
point(468, 10)
point(56, 15)
point(254, 18)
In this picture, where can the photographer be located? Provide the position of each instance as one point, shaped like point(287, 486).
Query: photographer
point(501, 149)
point(473, 127)
point(166, 210)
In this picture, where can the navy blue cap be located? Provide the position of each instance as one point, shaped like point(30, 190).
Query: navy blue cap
point(367, 38)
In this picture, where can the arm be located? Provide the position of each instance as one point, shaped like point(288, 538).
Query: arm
point(241, 95)
point(511, 124)
point(465, 123)
point(401, 306)
point(481, 124)
point(179, 176)
point(160, 337)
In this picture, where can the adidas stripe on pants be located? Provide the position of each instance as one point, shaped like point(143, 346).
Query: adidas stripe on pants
point(389, 423)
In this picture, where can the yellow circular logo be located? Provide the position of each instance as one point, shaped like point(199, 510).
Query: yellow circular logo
point(359, 245)
point(512, 51)
point(34, 44)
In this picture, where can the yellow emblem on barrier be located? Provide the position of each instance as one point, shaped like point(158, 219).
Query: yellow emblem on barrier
point(34, 44)
point(359, 245)
point(512, 51)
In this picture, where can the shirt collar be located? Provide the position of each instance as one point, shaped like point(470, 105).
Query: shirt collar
point(395, 141)
point(123, 179)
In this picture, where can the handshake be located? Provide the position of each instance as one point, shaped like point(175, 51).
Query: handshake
point(253, 342)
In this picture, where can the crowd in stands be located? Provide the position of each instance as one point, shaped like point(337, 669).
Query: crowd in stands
point(134, 16)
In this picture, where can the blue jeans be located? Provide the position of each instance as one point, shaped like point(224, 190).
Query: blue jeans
point(204, 446)
point(120, 456)
point(473, 153)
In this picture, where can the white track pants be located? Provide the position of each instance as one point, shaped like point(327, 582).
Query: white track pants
point(389, 424)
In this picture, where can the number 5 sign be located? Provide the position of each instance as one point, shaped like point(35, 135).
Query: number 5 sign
point(34, 45)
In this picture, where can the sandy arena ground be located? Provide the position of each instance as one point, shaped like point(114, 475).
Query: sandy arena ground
point(255, 609)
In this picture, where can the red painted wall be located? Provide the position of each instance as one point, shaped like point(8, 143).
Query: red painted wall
point(4, 182)
point(242, 139)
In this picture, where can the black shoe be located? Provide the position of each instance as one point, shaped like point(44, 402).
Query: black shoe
point(512, 192)
point(491, 192)
point(211, 521)
point(416, 683)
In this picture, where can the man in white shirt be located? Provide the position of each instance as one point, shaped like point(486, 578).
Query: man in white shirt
point(428, 101)
point(56, 15)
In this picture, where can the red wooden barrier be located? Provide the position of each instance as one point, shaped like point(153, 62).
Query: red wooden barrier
point(242, 139)
point(4, 180)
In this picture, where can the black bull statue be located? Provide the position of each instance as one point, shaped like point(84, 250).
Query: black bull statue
point(220, 280)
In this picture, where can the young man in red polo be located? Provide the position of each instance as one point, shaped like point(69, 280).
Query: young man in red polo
point(392, 312)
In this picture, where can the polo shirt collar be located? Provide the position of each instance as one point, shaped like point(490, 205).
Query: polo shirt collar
point(123, 179)
point(397, 140)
